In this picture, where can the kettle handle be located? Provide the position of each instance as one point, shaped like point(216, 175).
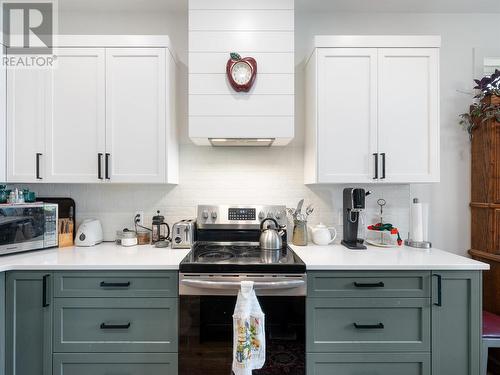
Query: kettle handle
point(269, 219)
point(334, 234)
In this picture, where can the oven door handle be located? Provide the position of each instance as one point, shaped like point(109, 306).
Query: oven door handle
point(258, 285)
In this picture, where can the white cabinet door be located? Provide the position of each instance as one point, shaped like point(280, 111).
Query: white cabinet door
point(135, 115)
point(27, 91)
point(347, 114)
point(75, 136)
point(409, 114)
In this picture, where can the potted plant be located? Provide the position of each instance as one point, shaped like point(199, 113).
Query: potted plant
point(486, 105)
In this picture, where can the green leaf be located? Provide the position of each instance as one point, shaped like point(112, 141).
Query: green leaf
point(235, 56)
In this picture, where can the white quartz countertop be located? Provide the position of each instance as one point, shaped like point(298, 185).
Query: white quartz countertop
point(105, 256)
point(338, 257)
point(108, 256)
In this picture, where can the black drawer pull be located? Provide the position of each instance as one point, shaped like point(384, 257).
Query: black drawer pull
point(115, 326)
point(369, 285)
point(369, 326)
point(104, 284)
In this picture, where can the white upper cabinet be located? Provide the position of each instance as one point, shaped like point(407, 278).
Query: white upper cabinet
point(372, 110)
point(135, 114)
point(75, 136)
point(408, 102)
point(27, 93)
point(347, 105)
point(105, 113)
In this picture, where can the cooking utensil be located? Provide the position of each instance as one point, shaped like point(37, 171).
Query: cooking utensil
point(299, 236)
point(299, 207)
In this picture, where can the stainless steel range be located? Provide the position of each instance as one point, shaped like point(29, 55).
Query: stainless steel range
point(227, 251)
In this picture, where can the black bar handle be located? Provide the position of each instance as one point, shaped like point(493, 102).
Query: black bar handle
point(369, 285)
point(369, 326)
point(105, 284)
point(440, 291)
point(99, 165)
point(115, 326)
point(383, 165)
point(375, 158)
point(107, 166)
point(45, 283)
point(38, 177)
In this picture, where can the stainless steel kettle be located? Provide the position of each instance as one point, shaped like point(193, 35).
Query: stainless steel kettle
point(271, 238)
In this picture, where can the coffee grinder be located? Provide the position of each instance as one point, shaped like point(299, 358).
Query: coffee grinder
point(354, 203)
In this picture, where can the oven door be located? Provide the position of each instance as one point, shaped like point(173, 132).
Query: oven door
point(21, 228)
point(206, 324)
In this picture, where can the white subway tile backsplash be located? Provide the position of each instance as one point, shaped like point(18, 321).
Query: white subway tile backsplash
point(226, 176)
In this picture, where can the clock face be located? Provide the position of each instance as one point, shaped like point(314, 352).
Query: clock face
point(241, 73)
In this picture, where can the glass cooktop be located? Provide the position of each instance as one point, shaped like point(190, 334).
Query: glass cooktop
point(240, 257)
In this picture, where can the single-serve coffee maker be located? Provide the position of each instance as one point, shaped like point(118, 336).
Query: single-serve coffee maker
point(354, 203)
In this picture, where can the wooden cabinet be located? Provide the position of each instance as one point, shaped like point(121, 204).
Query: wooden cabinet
point(456, 322)
point(372, 112)
point(100, 115)
point(28, 324)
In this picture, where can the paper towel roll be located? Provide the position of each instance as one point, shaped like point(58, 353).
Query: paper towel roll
point(417, 228)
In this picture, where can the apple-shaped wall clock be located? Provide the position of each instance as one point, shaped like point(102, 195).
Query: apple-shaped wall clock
point(241, 72)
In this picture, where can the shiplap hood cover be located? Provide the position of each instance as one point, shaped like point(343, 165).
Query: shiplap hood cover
point(262, 29)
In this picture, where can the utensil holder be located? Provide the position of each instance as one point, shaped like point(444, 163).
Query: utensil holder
point(299, 236)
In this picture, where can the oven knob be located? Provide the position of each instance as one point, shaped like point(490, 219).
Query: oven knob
point(261, 215)
point(214, 215)
point(205, 214)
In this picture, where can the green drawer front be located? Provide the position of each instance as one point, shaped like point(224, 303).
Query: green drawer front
point(368, 364)
point(115, 284)
point(112, 363)
point(369, 284)
point(330, 324)
point(78, 325)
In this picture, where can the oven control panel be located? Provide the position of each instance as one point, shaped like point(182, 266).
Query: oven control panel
point(238, 216)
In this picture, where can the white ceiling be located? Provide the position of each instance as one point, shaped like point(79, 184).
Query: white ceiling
point(419, 6)
point(423, 6)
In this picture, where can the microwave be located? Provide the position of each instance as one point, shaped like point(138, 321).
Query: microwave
point(28, 226)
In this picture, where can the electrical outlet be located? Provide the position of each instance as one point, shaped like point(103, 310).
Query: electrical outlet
point(139, 217)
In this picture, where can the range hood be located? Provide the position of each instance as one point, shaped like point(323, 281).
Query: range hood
point(219, 115)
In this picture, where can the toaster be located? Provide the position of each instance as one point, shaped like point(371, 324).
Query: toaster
point(183, 233)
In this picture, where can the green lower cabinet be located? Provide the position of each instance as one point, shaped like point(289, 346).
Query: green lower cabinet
point(456, 322)
point(368, 325)
point(28, 312)
point(2, 323)
point(115, 325)
point(368, 364)
point(115, 363)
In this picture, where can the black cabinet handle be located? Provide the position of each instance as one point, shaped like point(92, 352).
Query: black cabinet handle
point(38, 177)
point(369, 285)
point(369, 326)
point(383, 165)
point(115, 326)
point(107, 166)
point(375, 158)
point(99, 166)
point(105, 284)
point(45, 283)
point(439, 290)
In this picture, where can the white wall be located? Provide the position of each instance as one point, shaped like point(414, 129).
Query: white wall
point(209, 175)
